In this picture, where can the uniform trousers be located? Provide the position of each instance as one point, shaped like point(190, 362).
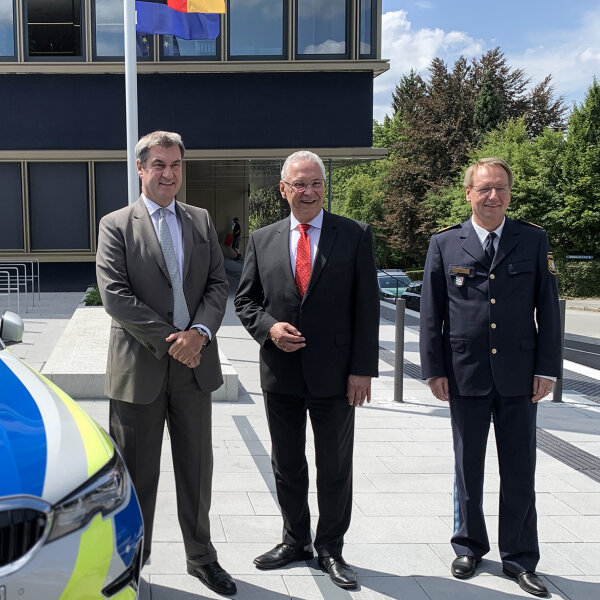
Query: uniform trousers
point(332, 421)
point(514, 419)
point(138, 430)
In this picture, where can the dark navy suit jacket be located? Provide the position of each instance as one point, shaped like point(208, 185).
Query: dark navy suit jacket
point(338, 316)
point(488, 325)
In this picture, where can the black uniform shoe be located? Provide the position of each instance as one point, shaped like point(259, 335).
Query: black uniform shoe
point(215, 577)
point(529, 582)
point(464, 567)
point(339, 571)
point(280, 556)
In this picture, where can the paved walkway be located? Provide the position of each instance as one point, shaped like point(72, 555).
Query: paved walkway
point(403, 507)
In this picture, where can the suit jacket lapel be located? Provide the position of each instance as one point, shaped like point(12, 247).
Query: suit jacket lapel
point(507, 242)
point(188, 236)
point(326, 241)
point(283, 251)
point(472, 245)
point(143, 223)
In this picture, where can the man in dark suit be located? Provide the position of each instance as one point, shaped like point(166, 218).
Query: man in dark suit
point(161, 277)
point(490, 345)
point(308, 295)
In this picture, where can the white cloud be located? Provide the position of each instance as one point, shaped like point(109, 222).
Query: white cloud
point(326, 47)
point(571, 57)
point(414, 49)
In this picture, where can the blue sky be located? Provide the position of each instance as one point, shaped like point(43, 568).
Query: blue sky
point(560, 38)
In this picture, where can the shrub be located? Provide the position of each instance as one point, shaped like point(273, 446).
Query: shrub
point(579, 279)
point(92, 298)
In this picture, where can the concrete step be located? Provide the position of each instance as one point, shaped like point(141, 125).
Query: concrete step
point(78, 362)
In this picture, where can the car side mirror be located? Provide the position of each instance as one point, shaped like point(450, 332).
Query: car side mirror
point(11, 327)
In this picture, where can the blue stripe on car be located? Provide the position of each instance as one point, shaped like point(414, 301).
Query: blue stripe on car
point(22, 438)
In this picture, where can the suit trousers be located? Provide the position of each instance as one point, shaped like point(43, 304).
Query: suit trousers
point(514, 419)
point(138, 430)
point(332, 422)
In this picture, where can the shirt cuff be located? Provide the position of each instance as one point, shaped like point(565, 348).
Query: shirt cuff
point(204, 330)
point(547, 377)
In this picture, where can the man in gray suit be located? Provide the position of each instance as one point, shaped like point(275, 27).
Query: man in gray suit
point(308, 295)
point(162, 280)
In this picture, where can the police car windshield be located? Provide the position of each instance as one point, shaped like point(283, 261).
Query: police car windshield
point(392, 282)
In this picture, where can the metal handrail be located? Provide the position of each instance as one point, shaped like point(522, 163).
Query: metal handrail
point(12, 288)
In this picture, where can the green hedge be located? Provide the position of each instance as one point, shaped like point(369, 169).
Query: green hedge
point(92, 297)
point(415, 275)
point(578, 279)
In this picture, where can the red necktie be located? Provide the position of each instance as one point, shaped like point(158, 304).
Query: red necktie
point(303, 259)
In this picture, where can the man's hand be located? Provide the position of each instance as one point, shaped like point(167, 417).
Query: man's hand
point(359, 389)
point(286, 337)
point(541, 388)
point(439, 388)
point(187, 347)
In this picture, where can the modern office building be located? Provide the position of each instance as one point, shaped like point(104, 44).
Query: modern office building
point(282, 75)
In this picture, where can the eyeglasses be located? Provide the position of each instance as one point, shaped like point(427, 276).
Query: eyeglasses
point(486, 190)
point(300, 186)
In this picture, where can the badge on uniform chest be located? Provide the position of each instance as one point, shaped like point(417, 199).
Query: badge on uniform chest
point(459, 280)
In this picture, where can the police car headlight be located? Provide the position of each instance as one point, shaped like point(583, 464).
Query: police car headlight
point(104, 492)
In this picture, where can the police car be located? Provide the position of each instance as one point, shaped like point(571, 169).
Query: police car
point(70, 522)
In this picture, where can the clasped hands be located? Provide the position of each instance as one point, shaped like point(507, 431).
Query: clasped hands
point(287, 338)
point(186, 346)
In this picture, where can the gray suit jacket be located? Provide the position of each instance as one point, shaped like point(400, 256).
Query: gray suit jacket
point(338, 316)
point(136, 291)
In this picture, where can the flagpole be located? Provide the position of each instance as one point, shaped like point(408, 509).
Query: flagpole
point(131, 103)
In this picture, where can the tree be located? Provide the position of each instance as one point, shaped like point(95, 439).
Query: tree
point(488, 112)
point(266, 206)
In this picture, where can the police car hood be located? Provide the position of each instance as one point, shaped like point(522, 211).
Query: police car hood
point(48, 445)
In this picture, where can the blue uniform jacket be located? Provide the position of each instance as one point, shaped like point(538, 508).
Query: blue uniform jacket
point(483, 326)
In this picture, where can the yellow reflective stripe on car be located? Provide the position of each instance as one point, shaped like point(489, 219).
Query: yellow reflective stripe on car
point(93, 561)
point(98, 446)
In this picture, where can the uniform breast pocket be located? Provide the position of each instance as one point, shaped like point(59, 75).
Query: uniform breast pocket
point(521, 266)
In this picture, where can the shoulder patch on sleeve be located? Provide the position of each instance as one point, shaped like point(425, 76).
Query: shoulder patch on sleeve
point(530, 224)
point(446, 228)
point(551, 265)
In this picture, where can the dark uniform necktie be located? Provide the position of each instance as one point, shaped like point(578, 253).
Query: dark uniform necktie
point(303, 259)
point(488, 246)
point(181, 316)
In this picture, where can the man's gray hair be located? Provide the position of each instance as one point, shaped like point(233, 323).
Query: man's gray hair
point(302, 155)
point(165, 139)
point(488, 162)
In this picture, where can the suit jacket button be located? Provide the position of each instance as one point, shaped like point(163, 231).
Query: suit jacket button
point(493, 300)
point(493, 325)
point(492, 276)
point(494, 351)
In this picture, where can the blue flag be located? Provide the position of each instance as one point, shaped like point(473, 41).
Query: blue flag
point(157, 17)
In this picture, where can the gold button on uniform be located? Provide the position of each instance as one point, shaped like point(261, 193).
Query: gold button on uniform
point(493, 325)
point(493, 300)
point(494, 351)
point(492, 276)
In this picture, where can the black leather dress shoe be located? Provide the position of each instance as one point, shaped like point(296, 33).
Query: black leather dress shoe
point(339, 571)
point(280, 556)
point(215, 577)
point(464, 567)
point(529, 582)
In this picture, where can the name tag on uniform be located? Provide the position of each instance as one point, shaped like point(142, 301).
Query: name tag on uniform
point(459, 280)
point(461, 270)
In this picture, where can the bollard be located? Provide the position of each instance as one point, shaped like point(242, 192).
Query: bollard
point(558, 386)
point(399, 350)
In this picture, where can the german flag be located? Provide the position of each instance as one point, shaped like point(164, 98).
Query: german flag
point(187, 19)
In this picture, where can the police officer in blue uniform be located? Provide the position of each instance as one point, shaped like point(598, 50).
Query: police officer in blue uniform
point(490, 345)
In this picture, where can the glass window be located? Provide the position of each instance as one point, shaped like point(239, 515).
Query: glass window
point(173, 47)
point(59, 207)
point(7, 28)
point(11, 225)
point(108, 32)
point(256, 28)
point(111, 187)
point(322, 28)
point(54, 28)
point(367, 47)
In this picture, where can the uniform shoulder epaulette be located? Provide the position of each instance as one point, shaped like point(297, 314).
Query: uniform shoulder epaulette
point(531, 224)
point(446, 228)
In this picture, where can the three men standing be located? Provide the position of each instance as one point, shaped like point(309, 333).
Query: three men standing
point(490, 345)
point(308, 295)
point(161, 277)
